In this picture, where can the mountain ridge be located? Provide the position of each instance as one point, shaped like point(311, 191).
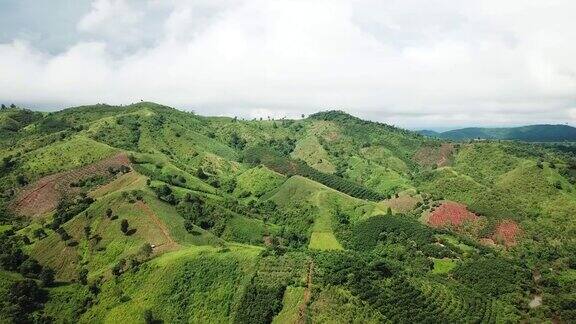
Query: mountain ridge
point(528, 133)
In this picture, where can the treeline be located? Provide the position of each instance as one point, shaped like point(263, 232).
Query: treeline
point(289, 167)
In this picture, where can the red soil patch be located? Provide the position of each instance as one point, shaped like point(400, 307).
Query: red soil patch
point(451, 214)
point(507, 232)
point(42, 196)
point(434, 156)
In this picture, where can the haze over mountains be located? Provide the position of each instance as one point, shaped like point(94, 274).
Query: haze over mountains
point(531, 133)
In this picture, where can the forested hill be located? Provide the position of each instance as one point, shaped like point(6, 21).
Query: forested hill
point(145, 213)
point(532, 133)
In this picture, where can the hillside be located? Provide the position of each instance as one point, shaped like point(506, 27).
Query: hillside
point(144, 213)
point(532, 133)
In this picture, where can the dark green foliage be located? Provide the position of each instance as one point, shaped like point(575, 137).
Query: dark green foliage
point(30, 268)
point(11, 255)
point(39, 233)
point(260, 302)
point(124, 226)
point(392, 228)
point(493, 276)
point(237, 142)
point(532, 133)
point(208, 215)
point(26, 297)
point(68, 208)
point(83, 276)
point(47, 277)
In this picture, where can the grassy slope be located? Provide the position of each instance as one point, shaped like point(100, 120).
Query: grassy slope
point(309, 150)
point(196, 284)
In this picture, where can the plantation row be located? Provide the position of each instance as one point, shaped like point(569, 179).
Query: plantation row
point(291, 167)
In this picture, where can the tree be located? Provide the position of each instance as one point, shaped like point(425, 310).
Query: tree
point(63, 234)
point(47, 277)
point(4, 106)
point(124, 226)
point(117, 269)
point(83, 276)
point(39, 233)
point(109, 212)
point(21, 180)
point(12, 106)
point(30, 268)
point(148, 317)
point(27, 296)
point(146, 249)
point(87, 231)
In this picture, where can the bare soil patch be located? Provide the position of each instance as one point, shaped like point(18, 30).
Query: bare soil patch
point(507, 233)
point(404, 203)
point(42, 196)
point(434, 156)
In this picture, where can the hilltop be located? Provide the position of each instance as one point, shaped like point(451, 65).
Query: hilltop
point(145, 213)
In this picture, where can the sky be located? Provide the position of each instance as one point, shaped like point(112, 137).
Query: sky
point(435, 64)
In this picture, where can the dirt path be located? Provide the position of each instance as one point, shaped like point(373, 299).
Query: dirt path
point(169, 241)
point(307, 295)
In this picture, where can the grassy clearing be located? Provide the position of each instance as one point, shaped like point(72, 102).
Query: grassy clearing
point(126, 182)
point(68, 154)
point(442, 266)
point(455, 242)
point(248, 230)
point(377, 177)
point(309, 150)
point(293, 297)
point(324, 241)
point(258, 181)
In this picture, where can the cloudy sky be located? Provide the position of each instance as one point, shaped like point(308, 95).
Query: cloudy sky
point(413, 63)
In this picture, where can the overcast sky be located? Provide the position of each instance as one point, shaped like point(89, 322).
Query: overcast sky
point(412, 63)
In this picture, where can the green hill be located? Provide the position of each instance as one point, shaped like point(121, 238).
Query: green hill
point(144, 213)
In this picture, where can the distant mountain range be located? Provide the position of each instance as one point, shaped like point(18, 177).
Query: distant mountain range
point(531, 133)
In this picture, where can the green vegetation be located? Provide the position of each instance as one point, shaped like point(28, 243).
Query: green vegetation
point(323, 219)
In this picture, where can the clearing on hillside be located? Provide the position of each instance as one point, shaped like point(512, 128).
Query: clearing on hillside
point(43, 195)
point(403, 203)
point(438, 156)
point(450, 214)
point(507, 232)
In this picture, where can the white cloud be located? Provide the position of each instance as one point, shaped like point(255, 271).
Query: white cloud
point(413, 63)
